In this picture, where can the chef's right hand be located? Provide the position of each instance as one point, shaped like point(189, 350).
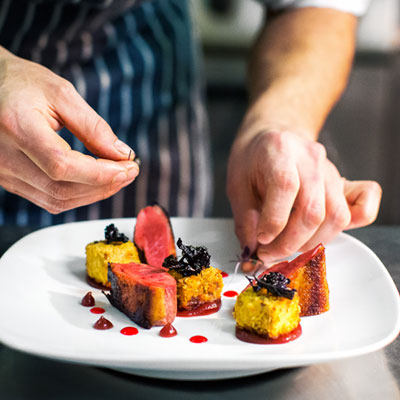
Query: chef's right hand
point(287, 196)
point(35, 162)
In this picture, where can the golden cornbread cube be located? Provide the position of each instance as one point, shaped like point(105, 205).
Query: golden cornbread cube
point(265, 314)
point(194, 290)
point(100, 253)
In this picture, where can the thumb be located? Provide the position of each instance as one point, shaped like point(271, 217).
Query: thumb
point(363, 199)
point(92, 130)
point(246, 218)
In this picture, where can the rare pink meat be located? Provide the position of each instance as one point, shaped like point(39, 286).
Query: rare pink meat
point(153, 235)
point(146, 294)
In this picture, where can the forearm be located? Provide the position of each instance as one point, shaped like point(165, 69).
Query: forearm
point(298, 70)
point(285, 194)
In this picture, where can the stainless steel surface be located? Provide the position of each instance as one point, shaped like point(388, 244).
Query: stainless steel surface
point(374, 376)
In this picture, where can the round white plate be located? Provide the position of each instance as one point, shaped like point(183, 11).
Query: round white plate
point(43, 282)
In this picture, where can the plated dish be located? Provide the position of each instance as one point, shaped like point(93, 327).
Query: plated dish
point(44, 281)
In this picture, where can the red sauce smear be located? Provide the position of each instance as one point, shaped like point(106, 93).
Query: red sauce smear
point(224, 274)
point(129, 331)
point(198, 339)
point(230, 293)
point(250, 337)
point(91, 282)
point(88, 300)
point(103, 324)
point(204, 309)
point(97, 310)
point(168, 331)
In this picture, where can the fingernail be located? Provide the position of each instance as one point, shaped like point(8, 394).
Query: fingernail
point(124, 149)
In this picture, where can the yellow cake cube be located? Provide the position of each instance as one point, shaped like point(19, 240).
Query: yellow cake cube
point(265, 314)
point(194, 290)
point(100, 253)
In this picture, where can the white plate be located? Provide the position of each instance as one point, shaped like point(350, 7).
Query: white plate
point(43, 282)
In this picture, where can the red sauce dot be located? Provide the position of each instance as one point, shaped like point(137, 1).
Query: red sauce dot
point(103, 324)
point(198, 339)
point(129, 331)
point(88, 300)
point(230, 293)
point(168, 331)
point(97, 310)
point(224, 274)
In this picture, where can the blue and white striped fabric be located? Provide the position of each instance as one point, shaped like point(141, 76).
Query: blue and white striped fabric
point(136, 64)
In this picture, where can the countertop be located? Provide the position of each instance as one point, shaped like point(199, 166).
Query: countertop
point(373, 376)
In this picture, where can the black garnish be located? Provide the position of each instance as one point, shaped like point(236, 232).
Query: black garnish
point(112, 234)
point(192, 262)
point(275, 282)
point(245, 256)
point(129, 155)
point(248, 257)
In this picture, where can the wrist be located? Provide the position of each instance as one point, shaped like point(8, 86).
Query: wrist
point(269, 113)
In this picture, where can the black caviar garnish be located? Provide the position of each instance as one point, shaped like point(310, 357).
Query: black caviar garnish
point(192, 262)
point(112, 234)
point(275, 282)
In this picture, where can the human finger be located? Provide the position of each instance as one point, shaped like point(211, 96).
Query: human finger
point(92, 130)
point(54, 156)
point(363, 198)
point(21, 167)
point(245, 225)
point(244, 210)
point(307, 215)
point(56, 203)
point(337, 215)
point(281, 187)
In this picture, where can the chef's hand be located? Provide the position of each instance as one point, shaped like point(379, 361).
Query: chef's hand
point(286, 196)
point(35, 162)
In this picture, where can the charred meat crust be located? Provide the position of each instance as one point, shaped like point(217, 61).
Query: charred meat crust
point(146, 294)
point(116, 298)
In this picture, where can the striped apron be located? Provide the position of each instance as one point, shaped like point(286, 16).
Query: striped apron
point(136, 63)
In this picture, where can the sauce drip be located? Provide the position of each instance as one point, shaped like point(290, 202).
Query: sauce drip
point(198, 339)
point(230, 293)
point(204, 309)
point(129, 331)
point(168, 331)
point(103, 324)
point(97, 310)
point(88, 300)
point(224, 274)
point(250, 337)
